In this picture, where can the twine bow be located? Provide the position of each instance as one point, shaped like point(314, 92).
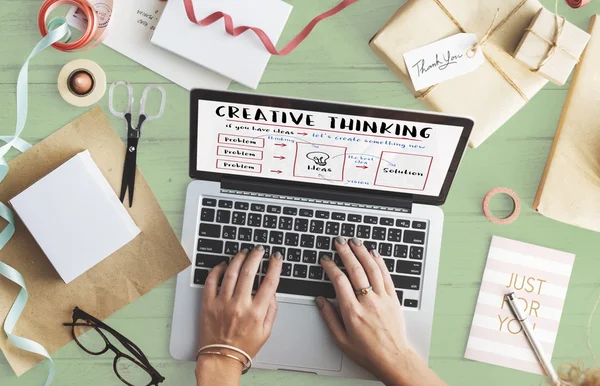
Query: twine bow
point(554, 46)
point(493, 28)
point(473, 50)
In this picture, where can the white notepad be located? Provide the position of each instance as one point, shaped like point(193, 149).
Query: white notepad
point(540, 278)
point(75, 216)
point(242, 58)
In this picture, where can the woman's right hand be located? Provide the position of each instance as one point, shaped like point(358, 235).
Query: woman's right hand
point(371, 328)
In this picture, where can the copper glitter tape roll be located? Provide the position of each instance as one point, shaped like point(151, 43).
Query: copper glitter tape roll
point(82, 83)
point(488, 213)
point(577, 3)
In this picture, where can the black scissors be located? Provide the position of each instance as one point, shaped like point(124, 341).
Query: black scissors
point(133, 133)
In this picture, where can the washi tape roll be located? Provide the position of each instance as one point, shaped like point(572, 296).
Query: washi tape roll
point(577, 3)
point(82, 83)
point(97, 13)
point(515, 213)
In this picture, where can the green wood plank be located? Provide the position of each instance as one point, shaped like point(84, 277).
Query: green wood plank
point(333, 64)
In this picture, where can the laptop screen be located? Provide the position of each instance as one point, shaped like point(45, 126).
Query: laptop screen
point(363, 149)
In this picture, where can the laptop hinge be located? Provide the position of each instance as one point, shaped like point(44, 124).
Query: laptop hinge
point(317, 193)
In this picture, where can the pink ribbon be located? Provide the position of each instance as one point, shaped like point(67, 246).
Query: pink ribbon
point(264, 38)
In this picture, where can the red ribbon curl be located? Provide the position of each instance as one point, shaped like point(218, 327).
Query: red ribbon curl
point(264, 38)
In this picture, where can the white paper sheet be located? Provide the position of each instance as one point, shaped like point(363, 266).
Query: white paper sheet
point(242, 58)
point(75, 216)
point(324, 148)
point(129, 32)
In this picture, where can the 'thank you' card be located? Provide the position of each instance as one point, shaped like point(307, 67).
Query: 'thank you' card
point(539, 277)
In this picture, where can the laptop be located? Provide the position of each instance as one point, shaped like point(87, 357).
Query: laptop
point(293, 174)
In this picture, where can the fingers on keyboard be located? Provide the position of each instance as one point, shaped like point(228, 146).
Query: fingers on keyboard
point(367, 262)
point(270, 282)
point(303, 237)
point(212, 281)
point(386, 266)
point(340, 282)
point(233, 271)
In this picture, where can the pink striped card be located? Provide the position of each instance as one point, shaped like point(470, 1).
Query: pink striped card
point(540, 278)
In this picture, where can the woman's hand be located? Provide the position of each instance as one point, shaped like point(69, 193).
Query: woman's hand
point(231, 315)
point(371, 327)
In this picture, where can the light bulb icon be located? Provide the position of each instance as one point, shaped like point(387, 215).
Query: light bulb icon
point(318, 157)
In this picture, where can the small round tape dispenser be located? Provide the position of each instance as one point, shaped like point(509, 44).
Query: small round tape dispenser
point(82, 83)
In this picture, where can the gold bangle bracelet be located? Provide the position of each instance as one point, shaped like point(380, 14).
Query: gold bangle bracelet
point(245, 365)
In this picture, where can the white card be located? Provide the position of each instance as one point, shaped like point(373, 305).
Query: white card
point(443, 60)
point(242, 58)
point(539, 277)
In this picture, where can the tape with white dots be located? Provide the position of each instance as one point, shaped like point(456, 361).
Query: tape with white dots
point(488, 213)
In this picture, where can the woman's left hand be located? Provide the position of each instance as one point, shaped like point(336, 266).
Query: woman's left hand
point(231, 315)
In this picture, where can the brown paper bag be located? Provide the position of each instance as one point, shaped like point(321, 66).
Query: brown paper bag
point(570, 186)
point(495, 91)
point(154, 256)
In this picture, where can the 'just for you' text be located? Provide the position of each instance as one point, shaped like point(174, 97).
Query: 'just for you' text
point(531, 285)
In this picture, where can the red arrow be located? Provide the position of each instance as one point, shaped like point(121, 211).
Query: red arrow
point(280, 157)
point(363, 167)
point(281, 144)
point(304, 134)
point(276, 171)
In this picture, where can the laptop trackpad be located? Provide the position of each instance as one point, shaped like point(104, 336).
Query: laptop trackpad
point(300, 338)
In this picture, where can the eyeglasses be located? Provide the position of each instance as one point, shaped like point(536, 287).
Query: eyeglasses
point(133, 370)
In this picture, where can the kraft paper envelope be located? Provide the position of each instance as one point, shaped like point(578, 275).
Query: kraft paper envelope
point(154, 256)
point(570, 188)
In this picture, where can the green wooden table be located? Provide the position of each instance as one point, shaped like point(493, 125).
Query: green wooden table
point(334, 64)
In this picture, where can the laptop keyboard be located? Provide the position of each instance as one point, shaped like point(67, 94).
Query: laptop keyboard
point(303, 235)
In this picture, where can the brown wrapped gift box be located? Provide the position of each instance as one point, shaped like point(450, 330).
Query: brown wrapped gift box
point(536, 53)
point(495, 91)
point(570, 187)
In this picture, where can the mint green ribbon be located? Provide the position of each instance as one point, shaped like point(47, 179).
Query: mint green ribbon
point(58, 30)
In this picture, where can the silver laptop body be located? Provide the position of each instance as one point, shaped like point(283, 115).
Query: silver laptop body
point(300, 340)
